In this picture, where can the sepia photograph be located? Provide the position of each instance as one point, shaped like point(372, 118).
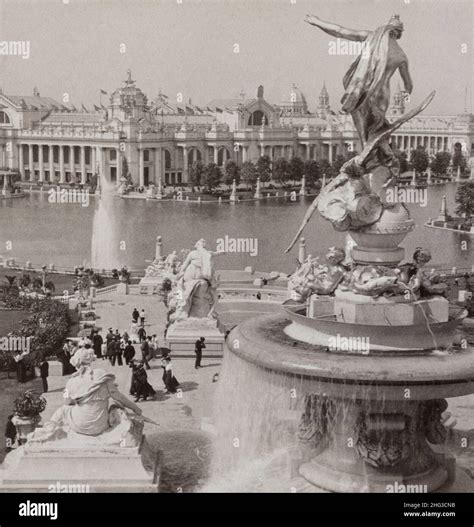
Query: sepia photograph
point(236, 250)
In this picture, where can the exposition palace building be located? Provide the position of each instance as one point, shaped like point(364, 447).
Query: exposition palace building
point(51, 142)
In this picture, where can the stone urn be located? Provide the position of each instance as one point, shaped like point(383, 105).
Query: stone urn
point(25, 425)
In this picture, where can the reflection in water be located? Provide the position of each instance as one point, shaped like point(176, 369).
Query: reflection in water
point(105, 243)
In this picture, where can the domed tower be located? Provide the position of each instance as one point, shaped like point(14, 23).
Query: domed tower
point(294, 103)
point(128, 102)
point(323, 106)
point(398, 106)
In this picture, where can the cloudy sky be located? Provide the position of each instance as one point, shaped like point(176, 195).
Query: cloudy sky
point(188, 47)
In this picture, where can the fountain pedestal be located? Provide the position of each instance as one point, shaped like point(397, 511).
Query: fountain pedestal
point(376, 446)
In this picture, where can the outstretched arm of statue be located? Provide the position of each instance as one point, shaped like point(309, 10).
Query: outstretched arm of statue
point(405, 75)
point(337, 31)
point(121, 399)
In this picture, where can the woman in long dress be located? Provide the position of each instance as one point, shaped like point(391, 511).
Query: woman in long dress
point(169, 380)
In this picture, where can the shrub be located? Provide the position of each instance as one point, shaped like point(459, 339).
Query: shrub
point(29, 404)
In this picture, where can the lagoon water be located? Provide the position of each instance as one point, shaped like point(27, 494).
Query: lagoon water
point(44, 232)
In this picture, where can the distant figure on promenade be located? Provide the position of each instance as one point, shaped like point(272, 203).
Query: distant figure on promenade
point(10, 434)
point(97, 342)
point(198, 347)
point(111, 351)
point(145, 347)
point(44, 373)
point(141, 334)
point(109, 337)
point(134, 332)
point(142, 317)
point(118, 350)
point(65, 357)
point(141, 388)
point(135, 315)
point(129, 353)
point(151, 347)
point(169, 380)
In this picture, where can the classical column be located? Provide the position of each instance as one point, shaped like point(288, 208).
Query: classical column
point(119, 165)
point(158, 164)
point(244, 153)
point(262, 150)
point(40, 161)
point(62, 172)
point(20, 162)
point(51, 163)
point(83, 165)
point(72, 163)
point(93, 159)
point(185, 164)
point(30, 162)
point(141, 168)
point(215, 154)
point(330, 153)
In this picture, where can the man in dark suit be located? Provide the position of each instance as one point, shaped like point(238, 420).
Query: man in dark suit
point(198, 347)
point(44, 373)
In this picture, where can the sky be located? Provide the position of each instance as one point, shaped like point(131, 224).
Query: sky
point(188, 47)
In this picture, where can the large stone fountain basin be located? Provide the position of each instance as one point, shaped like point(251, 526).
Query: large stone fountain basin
point(397, 376)
point(385, 338)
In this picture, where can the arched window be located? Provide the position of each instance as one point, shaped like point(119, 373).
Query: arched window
point(257, 118)
point(4, 119)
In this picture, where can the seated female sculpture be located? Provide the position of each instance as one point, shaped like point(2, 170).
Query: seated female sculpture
point(86, 410)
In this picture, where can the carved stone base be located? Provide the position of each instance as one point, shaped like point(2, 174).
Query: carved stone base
point(375, 447)
point(182, 335)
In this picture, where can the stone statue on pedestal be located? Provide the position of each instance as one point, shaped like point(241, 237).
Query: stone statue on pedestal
point(196, 287)
point(87, 411)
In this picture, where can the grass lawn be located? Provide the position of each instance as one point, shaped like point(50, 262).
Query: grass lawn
point(62, 282)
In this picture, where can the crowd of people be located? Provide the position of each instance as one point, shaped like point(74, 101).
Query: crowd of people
point(133, 349)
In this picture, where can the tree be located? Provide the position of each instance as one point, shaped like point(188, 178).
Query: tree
point(419, 159)
point(459, 160)
point(465, 199)
point(212, 176)
point(440, 163)
point(248, 173)
point(312, 171)
point(339, 161)
point(264, 168)
point(280, 170)
point(295, 168)
point(402, 160)
point(195, 173)
point(326, 168)
point(231, 172)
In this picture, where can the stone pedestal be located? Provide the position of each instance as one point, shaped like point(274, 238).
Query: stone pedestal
point(99, 468)
point(353, 308)
point(182, 335)
point(373, 446)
